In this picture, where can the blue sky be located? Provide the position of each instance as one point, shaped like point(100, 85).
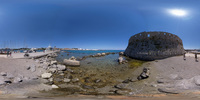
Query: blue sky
point(94, 24)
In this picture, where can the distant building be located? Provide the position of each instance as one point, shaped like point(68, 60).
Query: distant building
point(49, 48)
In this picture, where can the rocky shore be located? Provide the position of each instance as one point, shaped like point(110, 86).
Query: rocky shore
point(46, 76)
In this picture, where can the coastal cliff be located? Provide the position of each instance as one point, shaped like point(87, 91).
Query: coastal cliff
point(154, 45)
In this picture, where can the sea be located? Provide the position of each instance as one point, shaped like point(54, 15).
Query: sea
point(104, 61)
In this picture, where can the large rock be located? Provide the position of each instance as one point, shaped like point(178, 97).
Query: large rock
point(120, 60)
point(61, 67)
point(197, 80)
point(145, 74)
point(154, 45)
point(103, 54)
point(3, 73)
point(46, 75)
point(71, 62)
point(53, 62)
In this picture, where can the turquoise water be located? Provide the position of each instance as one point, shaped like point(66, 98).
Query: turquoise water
point(108, 61)
point(65, 54)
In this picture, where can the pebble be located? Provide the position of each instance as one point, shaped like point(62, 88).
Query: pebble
point(75, 80)
point(66, 80)
point(54, 86)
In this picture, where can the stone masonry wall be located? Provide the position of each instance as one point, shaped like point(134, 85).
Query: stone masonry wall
point(154, 45)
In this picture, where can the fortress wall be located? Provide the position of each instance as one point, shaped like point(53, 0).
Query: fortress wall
point(154, 45)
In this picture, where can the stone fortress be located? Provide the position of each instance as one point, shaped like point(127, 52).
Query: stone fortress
point(154, 45)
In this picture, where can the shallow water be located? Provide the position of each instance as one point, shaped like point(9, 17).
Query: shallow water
point(104, 68)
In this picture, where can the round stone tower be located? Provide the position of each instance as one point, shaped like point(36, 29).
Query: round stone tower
point(154, 45)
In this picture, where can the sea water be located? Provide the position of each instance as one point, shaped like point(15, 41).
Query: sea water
point(100, 62)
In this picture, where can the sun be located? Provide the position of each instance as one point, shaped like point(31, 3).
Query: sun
point(178, 12)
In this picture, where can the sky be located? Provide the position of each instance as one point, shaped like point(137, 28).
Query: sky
point(94, 24)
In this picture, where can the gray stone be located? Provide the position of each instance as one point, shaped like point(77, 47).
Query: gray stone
point(50, 79)
point(169, 91)
point(2, 82)
point(103, 54)
point(53, 70)
point(120, 86)
point(99, 54)
point(66, 80)
point(122, 92)
point(54, 66)
point(3, 74)
point(61, 67)
point(97, 81)
point(17, 80)
point(145, 74)
point(46, 75)
point(33, 68)
point(120, 59)
point(121, 53)
point(54, 86)
point(10, 76)
point(72, 58)
point(28, 67)
point(53, 62)
point(69, 70)
point(197, 80)
point(87, 87)
point(75, 80)
point(71, 62)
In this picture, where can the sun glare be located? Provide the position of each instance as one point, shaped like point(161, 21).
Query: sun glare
point(178, 12)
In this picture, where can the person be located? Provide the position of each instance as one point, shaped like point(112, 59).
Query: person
point(184, 56)
point(10, 53)
point(7, 53)
point(196, 57)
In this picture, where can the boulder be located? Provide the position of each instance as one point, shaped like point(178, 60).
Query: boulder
point(17, 80)
point(197, 80)
point(3, 74)
point(72, 58)
point(103, 54)
point(53, 62)
point(61, 67)
point(121, 53)
point(46, 75)
point(53, 70)
point(66, 80)
point(120, 60)
point(99, 54)
point(145, 74)
point(71, 62)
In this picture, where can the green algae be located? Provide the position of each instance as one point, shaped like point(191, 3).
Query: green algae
point(133, 63)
